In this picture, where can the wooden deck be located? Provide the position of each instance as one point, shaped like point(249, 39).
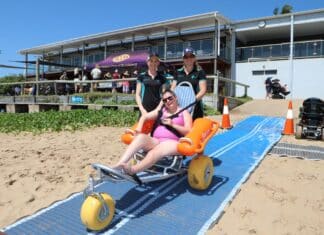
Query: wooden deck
point(29, 104)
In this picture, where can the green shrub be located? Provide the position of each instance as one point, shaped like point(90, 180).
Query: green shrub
point(59, 121)
point(244, 99)
point(5, 89)
point(210, 111)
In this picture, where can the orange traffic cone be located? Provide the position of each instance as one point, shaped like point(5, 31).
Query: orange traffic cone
point(226, 124)
point(289, 124)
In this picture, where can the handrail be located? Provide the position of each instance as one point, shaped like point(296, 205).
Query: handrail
point(282, 43)
point(228, 80)
point(107, 80)
point(67, 81)
point(216, 79)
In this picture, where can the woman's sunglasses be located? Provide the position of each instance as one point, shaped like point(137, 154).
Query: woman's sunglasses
point(170, 98)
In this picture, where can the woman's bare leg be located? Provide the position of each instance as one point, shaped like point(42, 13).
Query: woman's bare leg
point(141, 141)
point(161, 150)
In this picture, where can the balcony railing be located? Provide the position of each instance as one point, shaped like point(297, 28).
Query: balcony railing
point(304, 49)
point(202, 47)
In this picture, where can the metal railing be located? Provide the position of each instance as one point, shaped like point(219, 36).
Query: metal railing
point(302, 49)
point(217, 85)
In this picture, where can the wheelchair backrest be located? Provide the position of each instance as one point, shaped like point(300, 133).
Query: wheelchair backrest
point(276, 87)
point(185, 95)
point(313, 107)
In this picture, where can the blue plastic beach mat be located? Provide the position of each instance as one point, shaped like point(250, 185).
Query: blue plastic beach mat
point(170, 206)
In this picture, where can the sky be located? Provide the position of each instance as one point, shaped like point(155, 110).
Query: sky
point(26, 24)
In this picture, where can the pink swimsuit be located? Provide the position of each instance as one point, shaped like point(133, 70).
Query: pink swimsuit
point(162, 133)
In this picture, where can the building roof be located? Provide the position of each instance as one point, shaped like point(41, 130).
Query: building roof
point(257, 29)
point(148, 30)
point(278, 26)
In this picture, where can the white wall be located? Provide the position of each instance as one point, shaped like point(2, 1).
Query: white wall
point(308, 77)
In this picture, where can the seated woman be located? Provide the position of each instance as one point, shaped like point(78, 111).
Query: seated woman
point(164, 139)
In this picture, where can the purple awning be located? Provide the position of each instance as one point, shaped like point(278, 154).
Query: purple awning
point(122, 59)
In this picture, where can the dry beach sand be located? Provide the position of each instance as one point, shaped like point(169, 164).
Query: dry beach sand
point(282, 196)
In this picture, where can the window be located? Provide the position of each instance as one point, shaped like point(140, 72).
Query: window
point(98, 57)
point(257, 52)
point(285, 50)
point(257, 72)
point(238, 54)
point(142, 48)
point(207, 46)
point(89, 59)
point(266, 51)
point(67, 61)
point(300, 49)
point(246, 53)
point(171, 50)
point(270, 72)
point(76, 60)
point(276, 50)
point(195, 45)
point(264, 72)
point(314, 48)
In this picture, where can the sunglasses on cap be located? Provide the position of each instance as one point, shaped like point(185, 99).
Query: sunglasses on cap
point(170, 98)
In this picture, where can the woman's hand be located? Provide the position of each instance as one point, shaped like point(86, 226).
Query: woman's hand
point(167, 121)
point(137, 131)
point(143, 112)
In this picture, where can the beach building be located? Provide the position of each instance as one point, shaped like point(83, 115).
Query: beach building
point(289, 47)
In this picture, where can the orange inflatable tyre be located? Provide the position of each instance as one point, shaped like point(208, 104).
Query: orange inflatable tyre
point(129, 134)
point(194, 142)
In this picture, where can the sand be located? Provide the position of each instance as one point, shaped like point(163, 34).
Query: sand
point(38, 170)
point(282, 196)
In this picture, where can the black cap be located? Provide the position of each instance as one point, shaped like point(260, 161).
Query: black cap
point(189, 50)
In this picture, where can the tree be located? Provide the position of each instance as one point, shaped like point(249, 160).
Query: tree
point(286, 9)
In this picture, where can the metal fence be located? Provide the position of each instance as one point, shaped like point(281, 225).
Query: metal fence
point(217, 86)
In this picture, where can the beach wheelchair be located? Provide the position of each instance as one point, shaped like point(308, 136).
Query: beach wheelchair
point(311, 124)
point(98, 209)
point(278, 91)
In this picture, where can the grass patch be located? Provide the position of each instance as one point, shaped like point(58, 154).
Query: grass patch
point(69, 120)
point(210, 111)
point(244, 99)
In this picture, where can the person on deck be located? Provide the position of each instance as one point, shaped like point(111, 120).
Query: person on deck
point(115, 76)
point(96, 75)
point(268, 84)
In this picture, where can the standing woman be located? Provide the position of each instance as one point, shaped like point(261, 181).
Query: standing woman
point(193, 73)
point(150, 85)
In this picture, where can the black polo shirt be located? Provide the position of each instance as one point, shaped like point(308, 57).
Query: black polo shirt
point(194, 77)
point(151, 89)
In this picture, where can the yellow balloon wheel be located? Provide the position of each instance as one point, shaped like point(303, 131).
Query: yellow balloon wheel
point(200, 172)
point(94, 215)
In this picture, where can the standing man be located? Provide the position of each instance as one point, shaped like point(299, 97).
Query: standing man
point(268, 84)
point(77, 78)
point(96, 75)
point(65, 87)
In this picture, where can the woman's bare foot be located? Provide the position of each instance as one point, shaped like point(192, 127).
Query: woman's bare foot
point(117, 166)
point(127, 168)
